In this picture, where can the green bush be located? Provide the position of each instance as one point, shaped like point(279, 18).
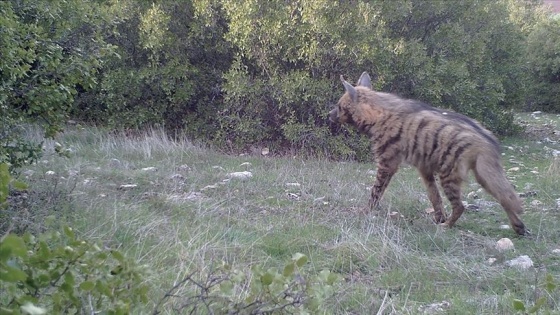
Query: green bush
point(58, 273)
point(543, 64)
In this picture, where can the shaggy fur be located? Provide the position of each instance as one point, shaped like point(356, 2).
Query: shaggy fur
point(438, 143)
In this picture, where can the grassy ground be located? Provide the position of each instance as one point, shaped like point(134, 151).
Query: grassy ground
point(188, 213)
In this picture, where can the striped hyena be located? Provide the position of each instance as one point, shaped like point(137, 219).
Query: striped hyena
point(436, 142)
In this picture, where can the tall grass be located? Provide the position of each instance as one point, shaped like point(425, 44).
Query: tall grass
point(186, 214)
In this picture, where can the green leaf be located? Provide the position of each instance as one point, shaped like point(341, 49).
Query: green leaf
point(226, 288)
point(11, 274)
point(15, 244)
point(289, 269)
point(550, 285)
point(87, 285)
point(538, 304)
point(518, 305)
point(4, 182)
point(267, 278)
point(300, 259)
point(69, 232)
point(19, 185)
point(117, 255)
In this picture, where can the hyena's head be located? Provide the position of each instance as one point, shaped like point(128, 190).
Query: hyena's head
point(342, 112)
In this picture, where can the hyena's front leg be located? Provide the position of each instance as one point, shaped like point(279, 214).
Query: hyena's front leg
point(435, 198)
point(385, 172)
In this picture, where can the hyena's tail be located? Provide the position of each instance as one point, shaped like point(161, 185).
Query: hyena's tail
point(490, 174)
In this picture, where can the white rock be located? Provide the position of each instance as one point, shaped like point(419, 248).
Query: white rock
point(114, 163)
point(293, 196)
point(293, 184)
point(513, 169)
point(435, 308)
point(536, 203)
point(149, 169)
point(128, 186)
point(504, 244)
point(28, 173)
point(522, 262)
point(491, 261)
point(241, 175)
point(504, 227)
point(473, 195)
point(72, 173)
point(184, 168)
point(209, 187)
point(49, 173)
point(556, 251)
point(265, 151)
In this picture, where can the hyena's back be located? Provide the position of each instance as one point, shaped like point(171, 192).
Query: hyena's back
point(438, 143)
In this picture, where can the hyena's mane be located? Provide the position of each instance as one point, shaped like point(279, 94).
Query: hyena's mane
point(404, 107)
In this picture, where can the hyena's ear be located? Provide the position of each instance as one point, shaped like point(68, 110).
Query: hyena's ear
point(364, 81)
point(350, 89)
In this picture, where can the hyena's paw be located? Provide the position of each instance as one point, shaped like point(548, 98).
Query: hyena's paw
point(439, 218)
point(445, 225)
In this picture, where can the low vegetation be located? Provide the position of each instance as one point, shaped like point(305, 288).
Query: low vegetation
point(180, 211)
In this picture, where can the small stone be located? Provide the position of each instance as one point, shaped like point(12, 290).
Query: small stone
point(395, 215)
point(28, 173)
point(149, 169)
point(429, 210)
point(504, 244)
point(435, 308)
point(185, 168)
point(472, 207)
point(114, 163)
point(514, 169)
point(531, 193)
point(504, 227)
point(293, 196)
point(49, 173)
point(72, 173)
point(473, 195)
point(177, 177)
point(522, 262)
point(209, 187)
point(265, 151)
point(127, 186)
point(536, 203)
point(556, 251)
point(293, 184)
point(241, 175)
point(491, 261)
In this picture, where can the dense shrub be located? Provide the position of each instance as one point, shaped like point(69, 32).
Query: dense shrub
point(543, 59)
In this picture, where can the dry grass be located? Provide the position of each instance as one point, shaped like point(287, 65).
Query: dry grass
point(188, 215)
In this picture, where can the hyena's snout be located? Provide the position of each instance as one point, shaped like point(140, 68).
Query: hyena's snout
point(333, 115)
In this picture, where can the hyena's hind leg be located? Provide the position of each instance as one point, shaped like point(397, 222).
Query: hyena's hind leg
point(451, 184)
point(434, 197)
point(385, 172)
point(491, 176)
